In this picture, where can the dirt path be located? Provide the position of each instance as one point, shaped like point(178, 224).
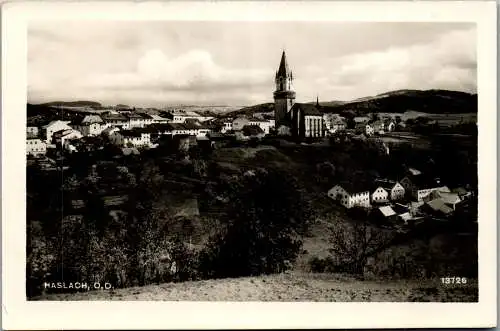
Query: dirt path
point(286, 287)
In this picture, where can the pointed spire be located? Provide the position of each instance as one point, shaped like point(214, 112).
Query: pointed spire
point(283, 70)
point(317, 100)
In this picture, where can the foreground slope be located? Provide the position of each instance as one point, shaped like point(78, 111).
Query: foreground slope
point(288, 287)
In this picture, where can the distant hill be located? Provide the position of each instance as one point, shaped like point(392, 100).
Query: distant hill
point(400, 101)
point(427, 101)
point(249, 111)
point(92, 104)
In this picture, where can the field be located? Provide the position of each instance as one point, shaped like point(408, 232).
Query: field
point(443, 119)
point(288, 287)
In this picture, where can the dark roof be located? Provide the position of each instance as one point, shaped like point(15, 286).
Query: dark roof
point(355, 186)
point(422, 181)
point(283, 70)
point(113, 117)
point(252, 130)
point(307, 109)
point(384, 183)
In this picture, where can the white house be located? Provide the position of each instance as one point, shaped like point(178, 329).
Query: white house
point(227, 126)
point(157, 119)
point(116, 119)
point(265, 125)
point(62, 136)
point(35, 147)
point(369, 129)
point(90, 125)
point(350, 195)
point(380, 195)
point(394, 189)
point(54, 126)
point(136, 138)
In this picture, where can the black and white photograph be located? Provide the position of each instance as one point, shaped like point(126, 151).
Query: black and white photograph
point(237, 160)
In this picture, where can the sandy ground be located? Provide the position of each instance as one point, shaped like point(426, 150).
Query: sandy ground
point(287, 287)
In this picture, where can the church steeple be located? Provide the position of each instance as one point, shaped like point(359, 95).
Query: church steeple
point(284, 95)
point(317, 100)
point(284, 70)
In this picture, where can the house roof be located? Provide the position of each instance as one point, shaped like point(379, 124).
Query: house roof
point(90, 119)
point(353, 187)
point(447, 197)
point(130, 150)
point(439, 205)
point(423, 182)
point(387, 211)
point(51, 123)
point(385, 183)
point(113, 117)
point(460, 191)
point(307, 109)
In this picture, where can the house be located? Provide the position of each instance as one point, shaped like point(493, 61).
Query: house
point(361, 119)
point(135, 138)
point(265, 125)
point(385, 213)
point(437, 207)
point(420, 186)
point(462, 193)
point(54, 126)
point(35, 147)
point(227, 125)
point(378, 127)
point(61, 137)
point(115, 119)
point(390, 125)
point(137, 120)
point(369, 129)
point(450, 199)
point(157, 119)
point(239, 123)
point(284, 130)
point(180, 116)
point(380, 195)
point(395, 190)
point(351, 194)
point(90, 125)
point(32, 132)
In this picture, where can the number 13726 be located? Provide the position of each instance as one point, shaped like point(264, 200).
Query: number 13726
point(453, 280)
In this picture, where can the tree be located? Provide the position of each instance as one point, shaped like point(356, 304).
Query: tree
point(353, 244)
point(266, 218)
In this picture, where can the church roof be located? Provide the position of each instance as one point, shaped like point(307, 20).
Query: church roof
point(283, 70)
point(307, 109)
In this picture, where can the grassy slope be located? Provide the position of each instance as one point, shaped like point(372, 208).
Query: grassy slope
point(286, 287)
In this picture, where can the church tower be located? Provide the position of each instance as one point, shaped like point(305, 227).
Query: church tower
point(284, 95)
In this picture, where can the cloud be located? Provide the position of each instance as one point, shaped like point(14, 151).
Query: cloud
point(163, 62)
point(448, 62)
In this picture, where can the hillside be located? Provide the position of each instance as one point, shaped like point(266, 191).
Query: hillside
point(287, 287)
point(429, 101)
point(92, 104)
point(400, 101)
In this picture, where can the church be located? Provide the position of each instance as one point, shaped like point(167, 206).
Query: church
point(302, 120)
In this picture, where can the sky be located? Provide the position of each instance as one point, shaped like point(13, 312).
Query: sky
point(160, 63)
